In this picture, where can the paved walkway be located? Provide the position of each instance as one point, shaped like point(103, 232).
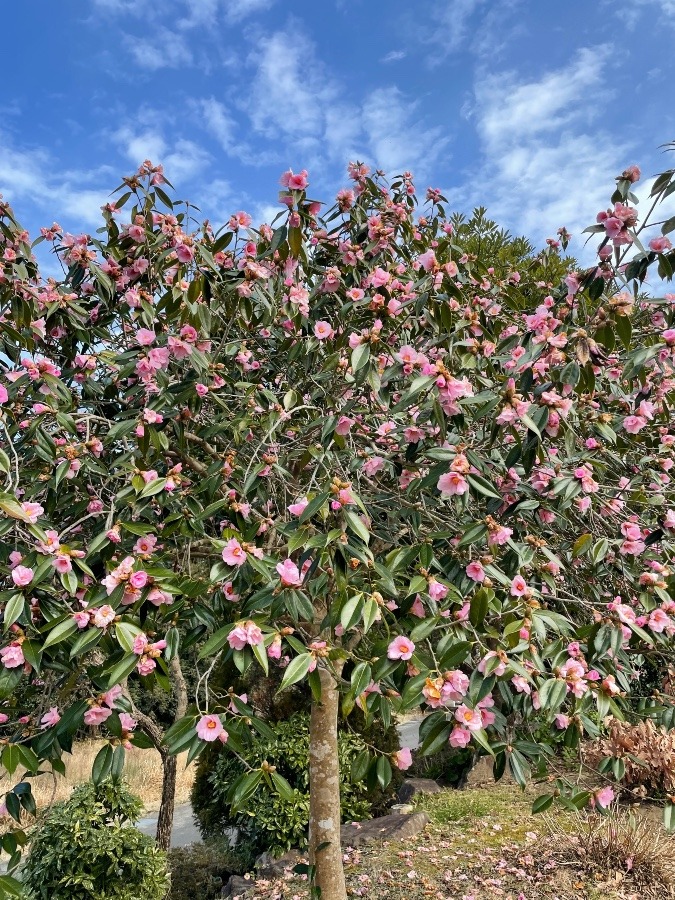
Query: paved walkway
point(186, 832)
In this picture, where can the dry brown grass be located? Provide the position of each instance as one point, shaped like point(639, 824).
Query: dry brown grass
point(142, 770)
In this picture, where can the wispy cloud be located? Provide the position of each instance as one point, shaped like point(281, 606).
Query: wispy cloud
point(397, 136)
point(542, 149)
point(183, 158)
point(166, 49)
point(394, 56)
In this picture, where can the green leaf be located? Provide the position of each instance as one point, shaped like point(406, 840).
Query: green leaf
point(122, 669)
point(360, 356)
point(13, 610)
point(260, 654)
point(357, 525)
point(483, 486)
point(351, 612)
point(669, 816)
point(478, 607)
point(283, 788)
point(62, 631)
point(383, 770)
point(152, 488)
point(361, 678)
point(102, 766)
point(296, 670)
point(126, 635)
point(542, 803)
point(581, 545)
point(216, 642)
point(313, 507)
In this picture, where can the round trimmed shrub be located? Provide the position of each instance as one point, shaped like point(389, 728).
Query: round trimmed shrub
point(86, 850)
point(271, 822)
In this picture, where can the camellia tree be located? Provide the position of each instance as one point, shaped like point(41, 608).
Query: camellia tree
point(354, 446)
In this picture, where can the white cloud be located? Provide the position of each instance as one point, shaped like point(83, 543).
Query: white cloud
point(218, 121)
point(545, 164)
point(396, 140)
point(182, 158)
point(394, 56)
point(166, 49)
point(290, 91)
point(28, 178)
point(237, 10)
point(450, 26)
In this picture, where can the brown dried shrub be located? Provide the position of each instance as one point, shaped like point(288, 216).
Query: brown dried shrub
point(647, 752)
point(618, 847)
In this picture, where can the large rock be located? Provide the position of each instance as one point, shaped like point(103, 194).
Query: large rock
point(395, 827)
point(237, 886)
point(413, 786)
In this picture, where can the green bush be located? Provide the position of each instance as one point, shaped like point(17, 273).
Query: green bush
point(86, 850)
point(271, 822)
point(201, 870)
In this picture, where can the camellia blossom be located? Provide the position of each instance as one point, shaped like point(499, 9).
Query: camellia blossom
point(452, 484)
point(50, 718)
point(209, 728)
point(289, 573)
point(233, 553)
point(401, 648)
point(403, 758)
point(22, 576)
point(96, 715)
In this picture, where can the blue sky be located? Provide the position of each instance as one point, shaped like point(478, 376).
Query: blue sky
point(528, 107)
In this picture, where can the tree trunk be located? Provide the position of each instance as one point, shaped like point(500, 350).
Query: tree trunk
point(324, 792)
point(169, 763)
point(168, 802)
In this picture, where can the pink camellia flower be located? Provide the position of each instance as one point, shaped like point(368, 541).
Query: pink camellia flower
point(140, 644)
point(243, 634)
point(323, 330)
point(403, 758)
point(81, 618)
point(343, 425)
point(12, 656)
point(298, 508)
point(475, 571)
point(459, 737)
point(659, 621)
point(158, 597)
point(138, 579)
point(660, 244)
point(201, 389)
point(103, 616)
point(33, 511)
point(289, 573)
point(145, 337)
point(452, 484)
point(22, 576)
point(209, 728)
point(233, 553)
point(634, 424)
point(519, 586)
point(562, 721)
point(96, 715)
point(3, 718)
point(604, 797)
point(295, 182)
point(127, 722)
point(50, 718)
point(401, 648)
point(436, 590)
point(62, 564)
point(469, 718)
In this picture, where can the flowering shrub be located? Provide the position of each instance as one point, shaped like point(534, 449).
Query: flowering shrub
point(421, 476)
point(85, 850)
